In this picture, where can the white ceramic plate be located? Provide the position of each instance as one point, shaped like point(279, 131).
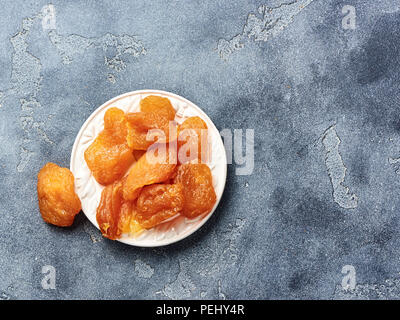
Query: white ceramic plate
point(89, 191)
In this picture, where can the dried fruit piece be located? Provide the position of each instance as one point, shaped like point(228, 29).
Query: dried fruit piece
point(116, 216)
point(147, 170)
point(58, 202)
point(139, 124)
point(159, 105)
point(159, 202)
point(109, 211)
point(193, 141)
point(131, 226)
point(156, 113)
point(127, 222)
point(109, 156)
point(198, 189)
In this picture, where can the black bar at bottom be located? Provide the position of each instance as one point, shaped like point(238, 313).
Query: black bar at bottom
point(192, 309)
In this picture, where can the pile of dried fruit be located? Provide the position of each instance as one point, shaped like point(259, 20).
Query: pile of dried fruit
point(152, 168)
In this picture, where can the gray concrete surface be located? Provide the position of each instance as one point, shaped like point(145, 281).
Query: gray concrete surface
point(324, 105)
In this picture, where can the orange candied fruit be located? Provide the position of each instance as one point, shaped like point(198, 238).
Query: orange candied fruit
point(147, 170)
point(158, 105)
point(116, 216)
point(198, 189)
point(109, 156)
point(139, 124)
point(193, 141)
point(113, 213)
point(159, 202)
point(156, 113)
point(58, 202)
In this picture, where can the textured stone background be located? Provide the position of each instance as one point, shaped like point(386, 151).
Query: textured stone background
point(323, 102)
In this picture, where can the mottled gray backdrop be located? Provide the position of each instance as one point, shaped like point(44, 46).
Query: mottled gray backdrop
point(324, 105)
